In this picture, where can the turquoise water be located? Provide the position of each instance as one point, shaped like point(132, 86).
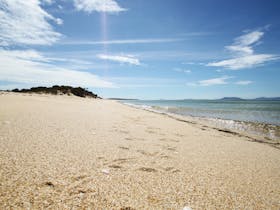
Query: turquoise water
point(245, 110)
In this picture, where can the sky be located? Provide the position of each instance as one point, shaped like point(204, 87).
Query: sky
point(171, 49)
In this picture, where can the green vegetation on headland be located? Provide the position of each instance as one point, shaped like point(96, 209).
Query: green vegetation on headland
point(59, 90)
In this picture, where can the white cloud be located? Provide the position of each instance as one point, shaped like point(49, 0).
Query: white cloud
point(243, 44)
point(214, 81)
point(244, 62)
point(243, 50)
point(47, 1)
point(110, 6)
point(120, 58)
point(219, 81)
point(210, 82)
point(245, 82)
point(32, 68)
point(26, 23)
point(122, 41)
point(248, 39)
point(59, 21)
point(243, 53)
point(24, 55)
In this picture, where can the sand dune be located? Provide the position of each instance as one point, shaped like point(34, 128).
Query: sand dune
point(62, 152)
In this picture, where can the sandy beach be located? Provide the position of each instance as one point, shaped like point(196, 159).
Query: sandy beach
point(66, 152)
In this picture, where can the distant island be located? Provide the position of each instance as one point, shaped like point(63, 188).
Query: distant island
point(268, 99)
point(231, 99)
point(59, 90)
point(120, 99)
point(255, 99)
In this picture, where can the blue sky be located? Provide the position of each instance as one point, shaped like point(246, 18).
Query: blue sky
point(171, 49)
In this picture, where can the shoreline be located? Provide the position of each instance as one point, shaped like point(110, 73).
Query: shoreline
point(65, 152)
point(205, 122)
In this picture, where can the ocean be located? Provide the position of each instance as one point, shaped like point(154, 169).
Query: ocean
point(255, 117)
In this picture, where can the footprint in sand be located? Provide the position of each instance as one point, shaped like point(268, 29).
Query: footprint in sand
point(179, 135)
point(79, 177)
point(124, 131)
point(115, 166)
point(124, 148)
point(164, 156)
point(78, 185)
point(171, 169)
point(134, 139)
point(118, 163)
point(150, 131)
point(146, 169)
point(122, 160)
point(143, 152)
point(169, 148)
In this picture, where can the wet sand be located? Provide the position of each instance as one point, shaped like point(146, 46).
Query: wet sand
point(63, 152)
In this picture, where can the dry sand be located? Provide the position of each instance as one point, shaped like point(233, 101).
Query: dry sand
point(63, 152)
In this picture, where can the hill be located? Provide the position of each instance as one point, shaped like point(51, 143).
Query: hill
point(59, 90)
point(231, 99)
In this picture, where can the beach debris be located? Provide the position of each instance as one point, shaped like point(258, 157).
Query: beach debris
point(187, 208)
point(82, 191)
point(127, 208)
point(105, 171)
point(50, 184)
